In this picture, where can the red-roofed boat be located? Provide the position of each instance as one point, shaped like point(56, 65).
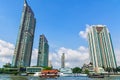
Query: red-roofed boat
point(49, 74)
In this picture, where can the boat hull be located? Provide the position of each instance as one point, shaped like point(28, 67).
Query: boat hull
point(74, 75)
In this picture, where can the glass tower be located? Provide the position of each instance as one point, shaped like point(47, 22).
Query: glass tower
point(63, 61)
point(24, 44)
point(100, 47)
point(43, 51)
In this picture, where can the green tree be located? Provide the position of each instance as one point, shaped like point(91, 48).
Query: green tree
point(86, 71)
point(118, 69)
point(47, 68)
point(76, 70)
point(114, 70)
point(108, 69)
point(7, 65)
point(1, 70)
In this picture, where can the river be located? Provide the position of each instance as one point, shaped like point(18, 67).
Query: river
point(9, 77)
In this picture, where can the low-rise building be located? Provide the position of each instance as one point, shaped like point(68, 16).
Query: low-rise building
point(33, 69)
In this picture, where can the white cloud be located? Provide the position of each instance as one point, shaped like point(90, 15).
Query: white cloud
point(117, 54)
point(34, 53)
point(34, 57)
point(6, 52)
point(83, 34)
point(73, 58)
point(6, 49)
point(5, 60)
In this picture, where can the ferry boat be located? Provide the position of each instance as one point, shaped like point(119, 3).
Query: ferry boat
point(80, 74)
point(66, 72)
point(96, 75)
point(49, 74)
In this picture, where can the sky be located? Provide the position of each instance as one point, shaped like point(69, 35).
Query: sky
point(64, 23)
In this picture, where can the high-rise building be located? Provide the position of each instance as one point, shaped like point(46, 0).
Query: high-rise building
point(24, 44)
point(101, 48)
point(43, 52)
point(63, 61)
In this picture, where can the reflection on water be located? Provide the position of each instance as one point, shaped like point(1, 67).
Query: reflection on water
point(18, 78)
point(10, 77)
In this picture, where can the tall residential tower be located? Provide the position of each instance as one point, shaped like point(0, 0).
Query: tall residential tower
point(63, 61)
point(43, 52)
point(24, 44)
point(101, 48)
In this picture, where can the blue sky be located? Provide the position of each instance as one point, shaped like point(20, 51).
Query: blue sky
point(61, 21)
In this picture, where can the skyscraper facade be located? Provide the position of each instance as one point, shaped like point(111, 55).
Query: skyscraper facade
point(24, 44)
point(63, 61)
point(101, 48)
point(43, 52)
